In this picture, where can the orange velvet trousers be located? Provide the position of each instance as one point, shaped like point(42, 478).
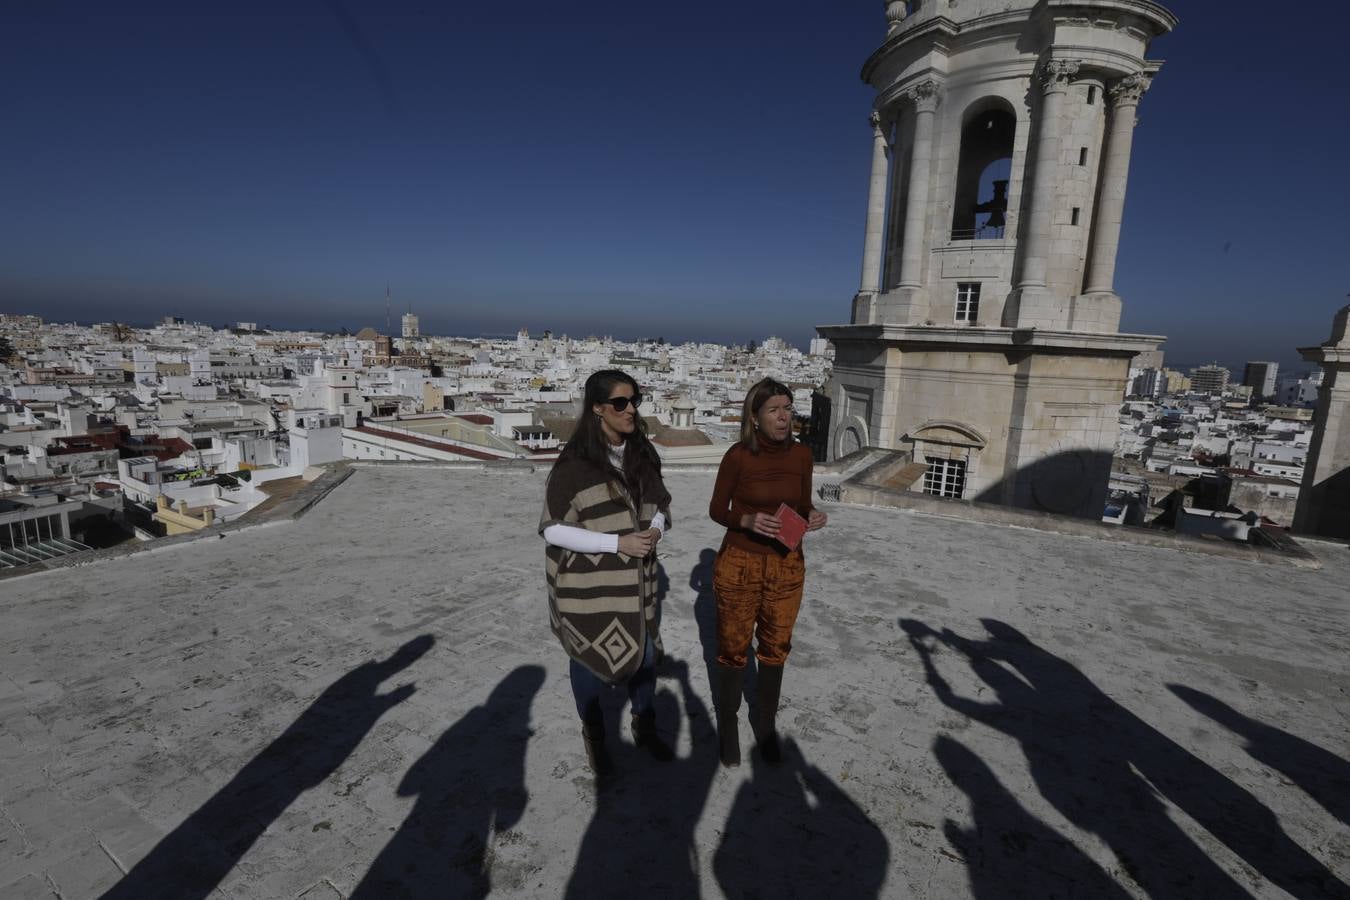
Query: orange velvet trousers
point(758, 596)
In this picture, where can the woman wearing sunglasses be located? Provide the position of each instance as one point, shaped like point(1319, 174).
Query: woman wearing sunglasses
point(757, 578)
point(605, 508)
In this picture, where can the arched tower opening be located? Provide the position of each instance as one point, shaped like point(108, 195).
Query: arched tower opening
point(980, 209)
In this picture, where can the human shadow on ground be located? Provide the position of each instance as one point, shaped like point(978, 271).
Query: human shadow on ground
point(792, 832)
point(470, 786)
point(705, 614)
point(1323, 776)
point(1109, 772)
point(1009, 853)
point(192, 859)
point(662, 591)
point(640, 839)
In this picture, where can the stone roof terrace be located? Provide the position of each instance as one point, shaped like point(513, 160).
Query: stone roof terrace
point(367, 702)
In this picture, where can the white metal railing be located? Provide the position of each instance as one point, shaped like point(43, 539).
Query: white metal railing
point(39, 550)
point(24, 547)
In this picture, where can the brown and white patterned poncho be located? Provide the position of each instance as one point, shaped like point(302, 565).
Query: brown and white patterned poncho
point(602, 606)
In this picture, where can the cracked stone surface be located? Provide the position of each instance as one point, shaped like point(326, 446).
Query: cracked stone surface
point(367, 702)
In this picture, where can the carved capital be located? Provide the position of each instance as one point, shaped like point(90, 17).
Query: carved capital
point(1128, 90)
point(1057, 73)
point(926, 94)
point(881, 123)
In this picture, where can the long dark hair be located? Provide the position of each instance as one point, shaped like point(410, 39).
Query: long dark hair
point(755, 399)
point(641, 465)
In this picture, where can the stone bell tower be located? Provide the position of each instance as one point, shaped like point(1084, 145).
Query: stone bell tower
point(984, 340)
point(1324, 499)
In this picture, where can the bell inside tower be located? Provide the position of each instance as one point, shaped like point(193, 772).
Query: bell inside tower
point(981, 203)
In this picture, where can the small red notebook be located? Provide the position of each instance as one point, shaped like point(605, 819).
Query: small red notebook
point(792, 528)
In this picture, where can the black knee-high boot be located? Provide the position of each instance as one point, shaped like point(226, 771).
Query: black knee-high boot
point(728, 702)
point(769, 684)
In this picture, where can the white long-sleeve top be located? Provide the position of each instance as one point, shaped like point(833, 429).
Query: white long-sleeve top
point(582, 540)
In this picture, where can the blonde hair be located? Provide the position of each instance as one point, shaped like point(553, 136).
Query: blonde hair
point(755, 399)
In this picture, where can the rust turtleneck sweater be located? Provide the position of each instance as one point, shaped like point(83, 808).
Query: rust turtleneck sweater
point(757, 482)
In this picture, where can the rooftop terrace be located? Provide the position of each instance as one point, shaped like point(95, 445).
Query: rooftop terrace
point(366, 702)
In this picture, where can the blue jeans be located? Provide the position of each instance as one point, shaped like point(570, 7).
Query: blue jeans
point(586, 687)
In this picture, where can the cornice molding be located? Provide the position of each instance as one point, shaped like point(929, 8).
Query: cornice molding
point(997, 338)
point(1154, 14)
point(938, 26)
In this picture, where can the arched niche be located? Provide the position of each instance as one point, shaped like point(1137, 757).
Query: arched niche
point(984, 170)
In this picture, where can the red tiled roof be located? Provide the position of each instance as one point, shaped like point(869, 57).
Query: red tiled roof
point(79, 448)
point(102, 438)
point(152, 445)
point(428, 443)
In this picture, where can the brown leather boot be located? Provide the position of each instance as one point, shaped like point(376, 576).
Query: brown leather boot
point(597, 754)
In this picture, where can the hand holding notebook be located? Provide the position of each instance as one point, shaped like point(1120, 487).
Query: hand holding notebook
point(792, 526)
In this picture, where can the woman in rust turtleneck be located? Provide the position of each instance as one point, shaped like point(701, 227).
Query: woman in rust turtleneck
point(758, 580)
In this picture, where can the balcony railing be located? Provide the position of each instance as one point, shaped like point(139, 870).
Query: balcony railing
point(984, 233)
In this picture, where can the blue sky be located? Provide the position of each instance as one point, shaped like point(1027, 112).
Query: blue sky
point(690, 170)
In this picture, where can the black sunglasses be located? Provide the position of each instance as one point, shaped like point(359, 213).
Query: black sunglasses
point(621, 403)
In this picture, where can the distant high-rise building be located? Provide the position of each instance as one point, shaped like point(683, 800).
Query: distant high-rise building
point(1146, 383)
point(410, 326)
point(1175, 382)
point(1145, 378)
point(1210, 379)
point(199, 365)
point(1261, 377)
point(143, 365)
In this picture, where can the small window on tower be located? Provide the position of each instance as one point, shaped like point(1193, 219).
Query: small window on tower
point(1073, 218)
point(968, 301)
point(1082, 156)
point(1092, 94)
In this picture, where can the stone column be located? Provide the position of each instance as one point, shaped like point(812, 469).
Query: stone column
point(876, 208)
point(1055, 78)
point(926, 96)
point(1125, 96)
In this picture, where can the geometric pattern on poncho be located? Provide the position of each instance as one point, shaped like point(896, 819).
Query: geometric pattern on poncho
point(616, 645)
